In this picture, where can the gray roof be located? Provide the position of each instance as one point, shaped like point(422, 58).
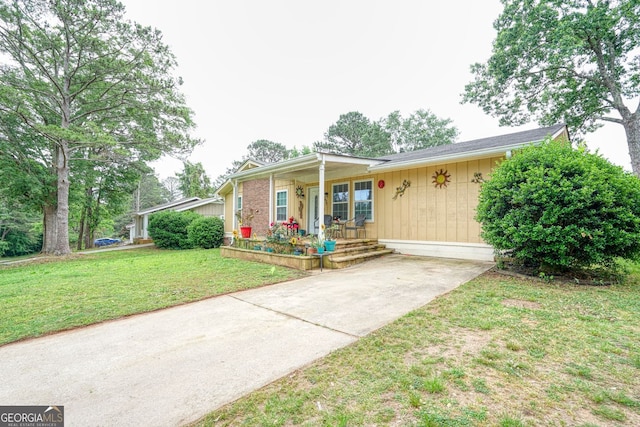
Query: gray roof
point(508, 140)
point(168, 205)
point(199, 202)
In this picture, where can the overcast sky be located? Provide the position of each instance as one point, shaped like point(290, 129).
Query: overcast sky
point(285, 70)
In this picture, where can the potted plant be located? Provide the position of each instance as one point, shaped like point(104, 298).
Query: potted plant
point(314, 245)
point(320, 245)
point(330, 245)
point(244, 220)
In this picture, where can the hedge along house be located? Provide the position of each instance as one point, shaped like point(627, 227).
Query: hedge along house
point(420, 203)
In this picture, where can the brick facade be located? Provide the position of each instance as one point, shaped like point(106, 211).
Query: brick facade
point(255, 195)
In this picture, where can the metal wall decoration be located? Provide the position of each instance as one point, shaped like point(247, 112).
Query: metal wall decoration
point(441, 178)
point(477, 178)
point(300, 192)
point(400, 190)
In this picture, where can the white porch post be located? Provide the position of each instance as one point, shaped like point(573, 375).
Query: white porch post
point(145, 226)
point(321, 201)
point(271, 192)
point(234, 222)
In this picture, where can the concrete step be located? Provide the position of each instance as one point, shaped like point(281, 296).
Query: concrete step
point(354, 251)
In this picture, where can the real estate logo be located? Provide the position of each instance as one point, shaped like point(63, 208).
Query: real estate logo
point(31, 416)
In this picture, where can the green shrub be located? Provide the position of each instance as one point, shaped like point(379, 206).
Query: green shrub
point(206, 232)
point(558, 208)
point(19, 242)
point(168, 229)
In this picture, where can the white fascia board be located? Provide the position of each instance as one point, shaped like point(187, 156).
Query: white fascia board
point(457, 157)
point(286, 165)
point(167, 206)
point(199, 203)
point(298, 163)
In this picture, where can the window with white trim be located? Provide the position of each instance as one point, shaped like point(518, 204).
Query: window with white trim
point(281, 205)
point(340, 199)
point(363, 198)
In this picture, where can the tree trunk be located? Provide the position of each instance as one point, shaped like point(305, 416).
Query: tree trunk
point(632, 129)
point(89, 228)
point(49, 233)
point(62, 218)
point(81, 231)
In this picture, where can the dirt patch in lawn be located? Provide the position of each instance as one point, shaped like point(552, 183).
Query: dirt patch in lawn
point(518, 303)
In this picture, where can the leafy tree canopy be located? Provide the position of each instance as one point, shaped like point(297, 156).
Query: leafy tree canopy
point(194, 181)
point(422, 129)
point(354, 134)
point(79, 76)
point(171, 186)
point(267, 151)
point(572, 61)
point(357, 135)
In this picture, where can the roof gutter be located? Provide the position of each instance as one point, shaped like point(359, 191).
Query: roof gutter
point(285, 166)
point(504, 150)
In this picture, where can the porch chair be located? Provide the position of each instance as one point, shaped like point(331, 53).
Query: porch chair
point(356, 224)
point(328, 222)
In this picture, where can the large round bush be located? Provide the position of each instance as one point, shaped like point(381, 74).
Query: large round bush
point(206, 232)
point(168, 229)
point(559, 208)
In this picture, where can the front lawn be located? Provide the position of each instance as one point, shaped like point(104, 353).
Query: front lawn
point(497, 351)
point(48, 295)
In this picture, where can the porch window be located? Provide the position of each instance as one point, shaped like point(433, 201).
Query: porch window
point(281, 205)
point(363, 198)
point(340, 205)
point(238, 212)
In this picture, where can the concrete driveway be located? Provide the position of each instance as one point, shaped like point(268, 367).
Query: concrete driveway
point(172, 367)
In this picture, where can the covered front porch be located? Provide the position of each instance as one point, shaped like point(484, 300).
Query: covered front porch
point(302, 188)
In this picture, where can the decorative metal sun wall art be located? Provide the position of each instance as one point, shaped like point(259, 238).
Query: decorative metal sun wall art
point(441, 178)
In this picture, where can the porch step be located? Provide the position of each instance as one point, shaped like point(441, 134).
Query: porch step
point(354, 251)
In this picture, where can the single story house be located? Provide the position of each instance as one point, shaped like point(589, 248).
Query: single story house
point(421, 202)
point(139, 229)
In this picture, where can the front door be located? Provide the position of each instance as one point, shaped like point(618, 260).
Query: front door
point(313, 207)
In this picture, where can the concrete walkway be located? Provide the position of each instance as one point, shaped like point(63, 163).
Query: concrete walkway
point(172, 367)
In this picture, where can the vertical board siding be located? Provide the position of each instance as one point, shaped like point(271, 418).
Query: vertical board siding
point(426, 212)
point(422, 229)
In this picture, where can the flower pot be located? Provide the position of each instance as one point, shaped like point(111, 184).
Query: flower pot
point(257, 248)
point(320, 250)
point(245, 232)
point(330, 245)
point(312, 250)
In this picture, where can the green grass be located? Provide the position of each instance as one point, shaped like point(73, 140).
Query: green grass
point(44, 296)
point(497, 351)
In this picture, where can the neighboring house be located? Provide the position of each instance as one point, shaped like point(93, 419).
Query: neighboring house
point(139, 229)
point(421, 202)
